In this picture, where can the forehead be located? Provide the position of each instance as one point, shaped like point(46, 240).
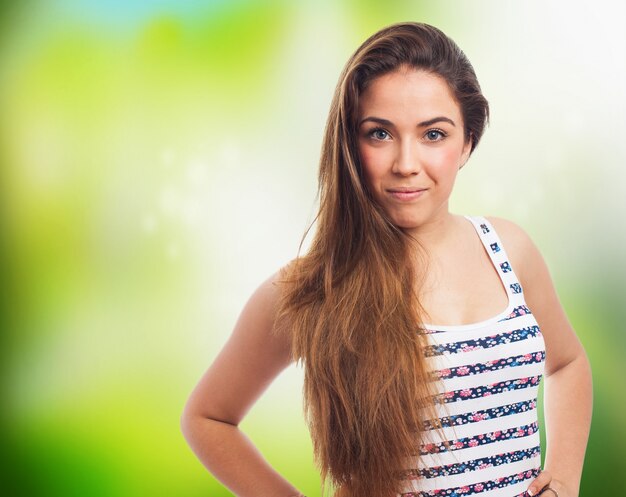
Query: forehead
point(409, 93)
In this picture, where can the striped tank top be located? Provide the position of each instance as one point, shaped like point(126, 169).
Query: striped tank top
point(489, 374)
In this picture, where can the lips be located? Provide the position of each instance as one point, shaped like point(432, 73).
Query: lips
point(405, 189)
point(406, 194)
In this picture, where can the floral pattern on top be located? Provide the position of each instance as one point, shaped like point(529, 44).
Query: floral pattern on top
point(481, 415)
point(493, 365)
point(484, 342)
point(506, 267)
point(477, 488)
point(486, 390)
point(475, 441)
point(481, 463)
point(520, 310)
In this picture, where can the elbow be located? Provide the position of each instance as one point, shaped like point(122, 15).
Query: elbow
point(196, 424)
point(196, 429)
point(186, 424)
point(190, 422)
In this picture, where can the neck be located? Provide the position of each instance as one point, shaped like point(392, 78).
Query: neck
point(435, 233)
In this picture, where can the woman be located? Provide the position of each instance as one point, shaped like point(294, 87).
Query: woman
point(396, 405)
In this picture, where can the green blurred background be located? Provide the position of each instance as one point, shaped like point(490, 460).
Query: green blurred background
point(158, 161)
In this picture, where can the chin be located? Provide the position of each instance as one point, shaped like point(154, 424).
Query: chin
point(407, 224)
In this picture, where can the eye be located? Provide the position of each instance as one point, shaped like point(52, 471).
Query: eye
point(435, 135)
point(378, 134)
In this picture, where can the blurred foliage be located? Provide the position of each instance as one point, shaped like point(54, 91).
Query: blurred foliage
point(150, 155)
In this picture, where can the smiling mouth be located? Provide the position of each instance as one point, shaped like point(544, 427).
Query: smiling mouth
point(406, 194)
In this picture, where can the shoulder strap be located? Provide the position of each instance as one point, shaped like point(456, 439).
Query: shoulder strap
point(493, 245)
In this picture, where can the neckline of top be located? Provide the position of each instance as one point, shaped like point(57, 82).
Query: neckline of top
point(500, 315)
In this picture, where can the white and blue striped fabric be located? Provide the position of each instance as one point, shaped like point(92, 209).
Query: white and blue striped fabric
point(490, 373)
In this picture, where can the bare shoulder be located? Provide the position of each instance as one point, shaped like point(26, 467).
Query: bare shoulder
point(257, 320)
point(265, 297)
point(508, 230)
point(250, 359)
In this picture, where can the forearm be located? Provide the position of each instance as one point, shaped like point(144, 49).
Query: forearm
point(233, 459)
point(568, 400)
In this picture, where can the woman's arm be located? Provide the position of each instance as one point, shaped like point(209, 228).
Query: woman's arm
point(567, 379)
point(252, 357)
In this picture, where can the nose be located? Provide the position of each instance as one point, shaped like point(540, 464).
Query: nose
point(407, 160)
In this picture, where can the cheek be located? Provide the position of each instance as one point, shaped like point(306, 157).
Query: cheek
point(366, 155)
point(446, 158)
point(374, 161)
point(366, 159)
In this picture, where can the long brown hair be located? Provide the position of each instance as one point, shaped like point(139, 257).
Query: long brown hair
point(350, 303)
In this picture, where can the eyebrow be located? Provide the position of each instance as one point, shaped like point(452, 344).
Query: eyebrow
point(386, 122)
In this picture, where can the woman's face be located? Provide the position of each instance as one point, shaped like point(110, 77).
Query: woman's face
point(411, 145)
